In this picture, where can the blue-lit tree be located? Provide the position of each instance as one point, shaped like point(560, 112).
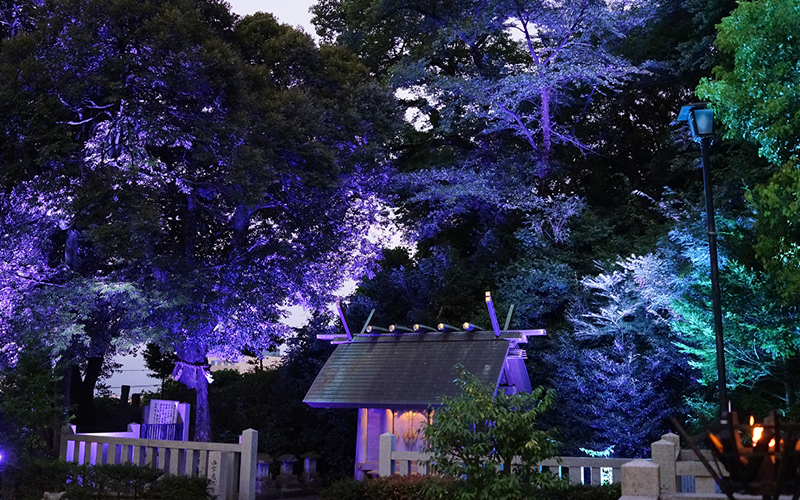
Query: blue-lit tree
point(493, 93)
point(619, 374)
point(498, 66)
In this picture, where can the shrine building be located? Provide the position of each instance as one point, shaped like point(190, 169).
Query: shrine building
point(396, 377)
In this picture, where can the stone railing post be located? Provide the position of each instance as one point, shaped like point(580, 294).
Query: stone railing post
point(640, 480)
point(249, 463)
point(665, 452)
point(388, 444)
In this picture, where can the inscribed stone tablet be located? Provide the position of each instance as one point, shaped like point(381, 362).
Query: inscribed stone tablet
point(163, 412)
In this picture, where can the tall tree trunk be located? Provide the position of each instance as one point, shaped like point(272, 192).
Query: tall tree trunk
point(82, 393)
point(190, 370)
point(202, 423)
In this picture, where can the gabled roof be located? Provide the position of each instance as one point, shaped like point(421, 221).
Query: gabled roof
point(407, 371)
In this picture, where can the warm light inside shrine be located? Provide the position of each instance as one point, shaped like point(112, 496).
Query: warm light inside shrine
point(758, 431)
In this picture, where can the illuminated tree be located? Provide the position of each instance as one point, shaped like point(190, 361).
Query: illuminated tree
point(758, 95)
point(623, 376)
point(211, 171)
point(497, 66)
point(26, 222)
point(761, 347)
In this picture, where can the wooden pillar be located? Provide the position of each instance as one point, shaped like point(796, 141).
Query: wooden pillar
point(389, 427)
point(361, 442)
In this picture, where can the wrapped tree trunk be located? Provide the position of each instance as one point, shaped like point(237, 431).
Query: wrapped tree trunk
point(191, 369)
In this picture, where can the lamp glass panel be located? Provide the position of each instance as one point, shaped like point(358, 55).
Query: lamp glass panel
point(704, 122)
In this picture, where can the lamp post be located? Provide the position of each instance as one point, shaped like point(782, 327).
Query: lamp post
point(701, 124)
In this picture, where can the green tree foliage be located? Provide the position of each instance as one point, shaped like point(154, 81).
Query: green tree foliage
point(478, 432)
point(761, 345)
point(758, 96)
point(756, 93)
point(777, 238)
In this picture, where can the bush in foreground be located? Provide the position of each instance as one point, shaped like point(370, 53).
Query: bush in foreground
point(493, 441)
point(105, 482)
point(394, 488)
point(440, 488)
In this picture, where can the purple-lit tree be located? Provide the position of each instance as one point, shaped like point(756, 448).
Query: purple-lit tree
point(26, 223)
point(216, 170)
point(493, 92)
point(16, 16)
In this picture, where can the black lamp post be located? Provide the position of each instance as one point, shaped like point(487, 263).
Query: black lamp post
point(701, 124)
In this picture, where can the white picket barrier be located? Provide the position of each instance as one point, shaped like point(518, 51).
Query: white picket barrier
point(231, 468)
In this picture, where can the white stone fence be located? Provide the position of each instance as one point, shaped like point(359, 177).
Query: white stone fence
point(671, 473)
point(231, 468)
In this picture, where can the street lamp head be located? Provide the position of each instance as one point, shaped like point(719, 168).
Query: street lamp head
point(700, 119)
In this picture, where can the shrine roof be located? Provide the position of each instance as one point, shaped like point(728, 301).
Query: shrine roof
point(407, 370)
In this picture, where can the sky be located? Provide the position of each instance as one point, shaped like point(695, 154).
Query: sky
point(292, 12)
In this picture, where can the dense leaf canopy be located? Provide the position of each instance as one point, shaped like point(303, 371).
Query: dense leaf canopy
point(173, 173)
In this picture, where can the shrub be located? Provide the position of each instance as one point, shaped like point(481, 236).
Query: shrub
point(579, 492)
point(182, 488)
point(392, 488)
point(441, 488)
point(345, 489)
point(41, 475)
point(476, 433)
point(87, 482)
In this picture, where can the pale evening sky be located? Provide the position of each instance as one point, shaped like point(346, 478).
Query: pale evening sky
point(292, 12)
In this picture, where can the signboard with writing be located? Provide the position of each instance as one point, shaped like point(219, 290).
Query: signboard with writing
point(162, 412)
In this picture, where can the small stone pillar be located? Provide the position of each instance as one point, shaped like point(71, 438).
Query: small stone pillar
point(248, 464)
point(388, 444)
point(265, 483)
point(264, 460)
point(640, 480)
point(310, 476)
point(287, 480)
